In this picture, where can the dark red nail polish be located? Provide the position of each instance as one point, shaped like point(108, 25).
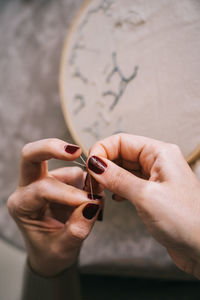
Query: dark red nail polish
point(95, 197)
point(100, 216)
point(71, 149)
point(97, 165)
point(90, 210)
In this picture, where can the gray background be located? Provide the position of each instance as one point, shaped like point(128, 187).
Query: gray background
point(32, 34)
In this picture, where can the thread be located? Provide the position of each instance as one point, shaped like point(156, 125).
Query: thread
point(83, 160)
point(91, 190)
point(84, 166)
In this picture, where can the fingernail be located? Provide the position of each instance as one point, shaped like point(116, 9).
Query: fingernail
point(71, 149)
point(95, 197)
point(96, 165)
point(100, 216)
point(90, 210)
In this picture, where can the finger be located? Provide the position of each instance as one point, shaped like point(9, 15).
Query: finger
point(92, 186)
point(132, 148)
point(155, 157)
point(69, 175)
point(82, 220)
point(34, 156)
point(95, 189)
point(58, 192)
point(32, 199)
point(117, 179)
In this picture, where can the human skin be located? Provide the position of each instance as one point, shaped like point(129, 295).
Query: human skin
point(52, 211)
point(156, 179)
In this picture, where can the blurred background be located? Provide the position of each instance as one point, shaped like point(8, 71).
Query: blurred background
point(32, 33)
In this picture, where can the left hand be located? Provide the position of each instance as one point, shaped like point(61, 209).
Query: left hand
point(52, 211)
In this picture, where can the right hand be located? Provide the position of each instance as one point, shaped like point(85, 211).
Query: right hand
point(156, 178)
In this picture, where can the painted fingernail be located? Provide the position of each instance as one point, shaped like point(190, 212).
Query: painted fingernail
point(71, 149)
point(100, 216)
point(95, 197)
point(90, 210)
point(97, 165)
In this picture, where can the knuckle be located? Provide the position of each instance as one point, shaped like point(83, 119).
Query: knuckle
point(52, 141)
point(11, 204)
point(41, 186)
point(118, 180)
point(170, 150)
point(175, 148)
point(149, 192)
point(149, 189)
point(78, 233)
point(57, 251)
point(25, 151)
point(167, 149)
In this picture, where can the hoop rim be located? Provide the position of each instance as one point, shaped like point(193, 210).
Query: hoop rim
point(191, 158)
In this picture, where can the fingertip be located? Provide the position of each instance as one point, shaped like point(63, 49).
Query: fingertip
point(96, 165)
point(90, 210)
point(72, 151)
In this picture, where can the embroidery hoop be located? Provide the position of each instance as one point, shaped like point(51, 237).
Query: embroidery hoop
point(192, 157)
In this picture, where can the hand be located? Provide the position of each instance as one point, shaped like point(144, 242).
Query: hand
point(52, 211)
point(155, 177)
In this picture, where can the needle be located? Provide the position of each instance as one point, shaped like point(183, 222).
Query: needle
point(78, 163)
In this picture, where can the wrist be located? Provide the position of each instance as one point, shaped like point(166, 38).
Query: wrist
point(36, 286)
point(49, 272)
point(51, 266)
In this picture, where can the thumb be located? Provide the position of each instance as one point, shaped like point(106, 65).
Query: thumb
point(116, 179)
point(82, 220)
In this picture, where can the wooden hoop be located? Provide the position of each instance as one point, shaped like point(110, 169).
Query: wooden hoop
point(61, 76)
point(191, 158)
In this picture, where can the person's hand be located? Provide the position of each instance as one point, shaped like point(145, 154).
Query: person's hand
point(52, 211)
point(156, 178)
